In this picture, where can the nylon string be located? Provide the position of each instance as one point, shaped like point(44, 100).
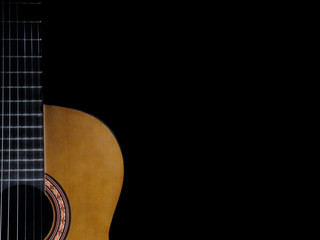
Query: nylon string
point(40, 97)
point(2, 129)
point(9, 123)
point(25, 130)
point(18, 124)
point(33, 134)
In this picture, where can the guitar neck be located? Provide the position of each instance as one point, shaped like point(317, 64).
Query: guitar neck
point(21, 133)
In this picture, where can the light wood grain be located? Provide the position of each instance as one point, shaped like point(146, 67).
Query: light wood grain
point(82, 154)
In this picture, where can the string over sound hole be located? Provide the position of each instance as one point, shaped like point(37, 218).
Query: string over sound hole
point(26, 213)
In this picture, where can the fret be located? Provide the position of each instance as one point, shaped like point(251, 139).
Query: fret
point(22, 163)
point(12, 71)
point(21, 56)
point(24, 3)
point(20, 101)
point(21, 139)
point(23, 150)
point(22, 114)
point(23, 180)
point(22, 87)
point(22, 160)
point(23, 170)
point(12, 126)
point(23, 72)
point(22, 127)
point(23, 153)
point(17, 22)
point(22, 132)
point(10, 120)
point(21, 39)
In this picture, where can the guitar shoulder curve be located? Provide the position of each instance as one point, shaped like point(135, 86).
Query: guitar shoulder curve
point(83, 155)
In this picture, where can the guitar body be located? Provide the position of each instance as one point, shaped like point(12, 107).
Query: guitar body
point(84, 159)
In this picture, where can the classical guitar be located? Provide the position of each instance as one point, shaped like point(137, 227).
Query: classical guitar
point(61, 169)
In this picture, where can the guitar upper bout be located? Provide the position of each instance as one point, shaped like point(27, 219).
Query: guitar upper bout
point(84, 157)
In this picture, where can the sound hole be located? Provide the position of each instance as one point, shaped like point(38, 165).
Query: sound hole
point(27, 215)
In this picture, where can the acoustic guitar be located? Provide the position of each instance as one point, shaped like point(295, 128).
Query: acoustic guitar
point(61, 169)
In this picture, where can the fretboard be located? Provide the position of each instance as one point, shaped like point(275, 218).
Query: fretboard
point(21, 135)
